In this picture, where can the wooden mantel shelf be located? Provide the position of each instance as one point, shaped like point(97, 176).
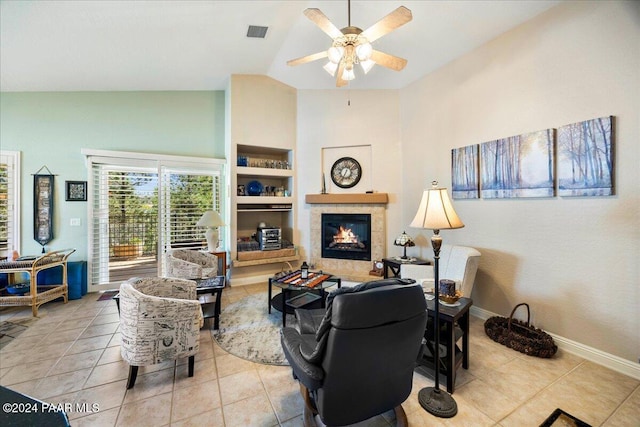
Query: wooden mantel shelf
point(347, 198)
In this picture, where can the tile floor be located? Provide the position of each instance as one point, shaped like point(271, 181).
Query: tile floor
point(71, 355)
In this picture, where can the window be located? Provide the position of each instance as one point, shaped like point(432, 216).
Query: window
point(9, 202)
point(142, 207)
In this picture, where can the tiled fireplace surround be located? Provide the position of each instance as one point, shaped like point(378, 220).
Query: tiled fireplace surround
point(348, 269)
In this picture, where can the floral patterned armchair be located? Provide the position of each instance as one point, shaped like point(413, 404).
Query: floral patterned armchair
point(191, 264)
point(160, 319)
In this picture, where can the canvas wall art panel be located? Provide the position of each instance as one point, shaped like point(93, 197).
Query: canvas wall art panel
point(464, 172)
point(518, 166)
point(586, 158)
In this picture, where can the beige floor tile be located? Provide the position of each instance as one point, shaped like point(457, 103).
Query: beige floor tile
point(260, 415)
point(105, 318)
point(229, 364)
point(293, 422)
point(150, 384)
point(212, 418)
point(88, 344)
point(286, 401)
point(240, 386)
point(26, 372)
point(27, 387)
point(100, 398)
point(97, 330)
point(76, 361)
point(68, 335)
point(62, 383)
point(108, 373)
point(490, 401)
point(203, 371)
point(24, 343)
point(43, 352)
point(627, 414)
point(276, 376)
point(110, 355)
point(154, 411)
point(195, 399)
point(115, 340)
point(105, 418)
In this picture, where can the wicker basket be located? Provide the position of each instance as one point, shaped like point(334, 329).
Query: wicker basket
point(519, 335)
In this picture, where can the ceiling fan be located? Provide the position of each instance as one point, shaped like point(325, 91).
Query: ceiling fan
point(352, 46)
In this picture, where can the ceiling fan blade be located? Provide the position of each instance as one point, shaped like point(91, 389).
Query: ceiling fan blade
point(321, 20)
point(308, 58)
point(394, 20)
point(339, 80)
point(393, 62)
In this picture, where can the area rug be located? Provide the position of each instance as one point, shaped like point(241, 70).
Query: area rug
point(560, 418)
point(107, 295)
point(248, 331)
point(11, 329)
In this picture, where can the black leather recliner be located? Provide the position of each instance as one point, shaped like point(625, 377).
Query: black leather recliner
point(356, 360)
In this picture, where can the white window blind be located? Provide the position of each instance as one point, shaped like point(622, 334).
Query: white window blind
point(147, 207)
point(9, 202)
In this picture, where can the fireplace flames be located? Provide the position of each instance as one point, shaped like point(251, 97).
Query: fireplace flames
point(345, 239)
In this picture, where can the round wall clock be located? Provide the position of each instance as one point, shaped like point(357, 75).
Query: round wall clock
point(346, 172)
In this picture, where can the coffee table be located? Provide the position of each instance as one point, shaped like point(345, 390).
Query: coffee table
point(297, 293)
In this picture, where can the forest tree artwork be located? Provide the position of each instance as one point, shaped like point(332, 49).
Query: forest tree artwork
point(464, 172)
point(585, 158)
point(518, 166)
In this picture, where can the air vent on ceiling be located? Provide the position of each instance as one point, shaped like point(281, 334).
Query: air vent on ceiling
point(257, 31)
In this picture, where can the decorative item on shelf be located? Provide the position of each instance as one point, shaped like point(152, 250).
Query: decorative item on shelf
point(254, 188)
point(212, 221)
point(241, 191)
point(404, 240)
point(436, 213)
point(378, 268)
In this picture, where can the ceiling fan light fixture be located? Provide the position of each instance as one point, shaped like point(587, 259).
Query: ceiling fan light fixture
point(363, 51)
point(348, 74)
point(335, 54)
point(367, 65)
point(331, 67)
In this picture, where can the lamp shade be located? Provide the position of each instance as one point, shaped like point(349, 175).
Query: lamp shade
point(404, 240)
point(210, 219)
point(436, 211)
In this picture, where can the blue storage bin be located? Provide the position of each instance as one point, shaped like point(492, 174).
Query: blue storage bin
point(76, 278)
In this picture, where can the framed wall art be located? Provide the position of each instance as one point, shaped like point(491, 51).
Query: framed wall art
point(464, 172)
point(518, 166)
point(76, 191)
point(586, 158)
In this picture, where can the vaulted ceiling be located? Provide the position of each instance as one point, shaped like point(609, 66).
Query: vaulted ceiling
point(195, 45)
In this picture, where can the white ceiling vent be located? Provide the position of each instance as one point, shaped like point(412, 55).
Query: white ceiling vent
point(257, 31)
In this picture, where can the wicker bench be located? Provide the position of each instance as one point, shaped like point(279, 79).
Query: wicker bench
point(38, 294)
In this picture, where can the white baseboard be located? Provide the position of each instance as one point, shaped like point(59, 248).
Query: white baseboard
point(594, 355)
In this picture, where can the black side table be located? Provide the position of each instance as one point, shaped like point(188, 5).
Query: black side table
point(213, 286)
point(394, 265)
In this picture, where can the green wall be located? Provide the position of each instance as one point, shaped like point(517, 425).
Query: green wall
point(51, 128)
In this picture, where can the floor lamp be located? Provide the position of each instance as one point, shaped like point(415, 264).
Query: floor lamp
point(436, 213)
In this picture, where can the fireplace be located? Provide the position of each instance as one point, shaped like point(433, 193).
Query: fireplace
point(346, 236)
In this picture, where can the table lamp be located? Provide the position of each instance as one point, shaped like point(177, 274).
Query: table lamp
point(404, 240)
point(436, 213)
point(211, 220)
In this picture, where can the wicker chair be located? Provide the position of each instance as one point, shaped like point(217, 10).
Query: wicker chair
point(160, 319)
point(191, 264)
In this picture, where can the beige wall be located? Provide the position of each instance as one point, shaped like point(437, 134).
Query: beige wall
point(327, 121)
point(574, 260)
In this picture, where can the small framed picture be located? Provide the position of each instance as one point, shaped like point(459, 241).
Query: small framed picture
point(76, 191)
point(241, 191)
